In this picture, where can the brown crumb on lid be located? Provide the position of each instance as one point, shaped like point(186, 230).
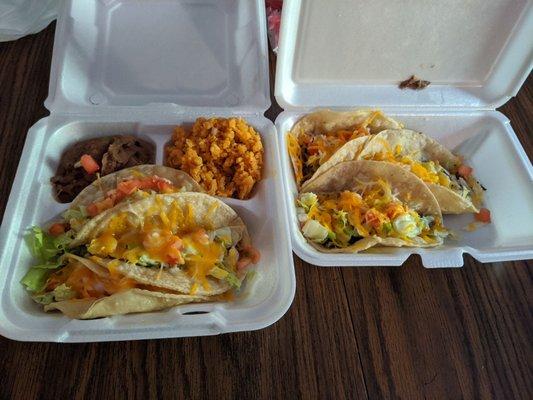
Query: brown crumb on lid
point(414, 83)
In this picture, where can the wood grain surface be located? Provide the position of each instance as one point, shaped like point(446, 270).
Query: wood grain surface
point(351, 333)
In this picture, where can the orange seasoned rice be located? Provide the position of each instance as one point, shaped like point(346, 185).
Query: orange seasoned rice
point(224, 155)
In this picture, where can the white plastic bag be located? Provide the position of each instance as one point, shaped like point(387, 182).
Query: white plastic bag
point(19, 18)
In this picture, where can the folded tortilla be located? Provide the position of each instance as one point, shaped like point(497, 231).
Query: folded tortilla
point(100, 188)
point(130, 301)
point(149, 287)
point(337, 127)
point(412, 151)
point(360, 177)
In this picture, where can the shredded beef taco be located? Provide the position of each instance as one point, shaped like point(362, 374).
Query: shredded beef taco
point(356, 205)
point(317, 136)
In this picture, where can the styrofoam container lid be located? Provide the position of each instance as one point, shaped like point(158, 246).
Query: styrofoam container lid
point(185, 54)
point(340, 53)
point(19, 18)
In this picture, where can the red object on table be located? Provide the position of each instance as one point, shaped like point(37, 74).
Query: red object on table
point(273, 9)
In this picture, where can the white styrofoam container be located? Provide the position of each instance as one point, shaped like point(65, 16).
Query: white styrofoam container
point(142, 67)
point(344, 55)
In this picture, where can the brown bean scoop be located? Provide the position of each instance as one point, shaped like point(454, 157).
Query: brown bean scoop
point(112, 153)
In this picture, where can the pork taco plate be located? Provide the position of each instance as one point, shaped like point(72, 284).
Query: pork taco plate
point(317, 136)
point(445, 174)
point(356, 205)
point(146, 255)
point(127, 185)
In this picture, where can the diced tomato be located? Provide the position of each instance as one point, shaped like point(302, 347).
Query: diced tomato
point(89, 164)
point(173, 250)
point(117, 196)
point(243, 263)
point(92, 209)
point(57, 229)
point(465, 171)
point(312, 150)
point(163, 186)
point(129, 186)
point(201, 236)
point(105, 204)
point(372, 219)
point(176, 243)
point(96, 208)
point(253, 253)
point(148, 183)
point(483, 216)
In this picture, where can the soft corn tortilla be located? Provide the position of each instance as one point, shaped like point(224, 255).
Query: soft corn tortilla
point(99, 188)
point(322, 121)
point(355, 175)
point(129, 301)
point(209, 213)
point(415, 145)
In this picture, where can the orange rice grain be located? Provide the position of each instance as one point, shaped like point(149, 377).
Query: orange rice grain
point(224, 155)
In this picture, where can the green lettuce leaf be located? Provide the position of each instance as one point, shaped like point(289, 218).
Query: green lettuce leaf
point(35, 278)
point(60, 293)
point(79, 213)
point(46, 247)
point(307, 200)
point(232, 279)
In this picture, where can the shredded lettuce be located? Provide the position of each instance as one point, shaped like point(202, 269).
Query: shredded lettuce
point(35, 278)
point(314, 231)
point(63, 292)
point(251, 276)
point(60, 293)
point(231, 258)
point(307, 200)
point(224, 235)
point(47, 250)
point(232, 279)
point(426, 221)
point(145, 261)
point(43, 298)
point(75, 213)
point(387, 228)
point(45, 247)
point(219, 273)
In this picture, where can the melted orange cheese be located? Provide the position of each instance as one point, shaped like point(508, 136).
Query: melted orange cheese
point(295, 154)
point(369, 214)
point(87, 284)
point(420, 169)
point(161, 237)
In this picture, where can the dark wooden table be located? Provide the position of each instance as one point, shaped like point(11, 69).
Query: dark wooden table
point(353, 333)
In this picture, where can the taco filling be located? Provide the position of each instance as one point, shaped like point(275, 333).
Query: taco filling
point(188, 245)
point(339, 220)
point(317, 136)
point(459, 179)
point(315, 150)
point(128, 185)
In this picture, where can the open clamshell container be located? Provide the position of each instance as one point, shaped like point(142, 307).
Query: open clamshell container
point(345, 55)
point(142, 67)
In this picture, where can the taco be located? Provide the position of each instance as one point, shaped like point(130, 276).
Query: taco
point(130, 184)
point(317, 136)
point(154, 253)
point(452, 182)
point(356, 205)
